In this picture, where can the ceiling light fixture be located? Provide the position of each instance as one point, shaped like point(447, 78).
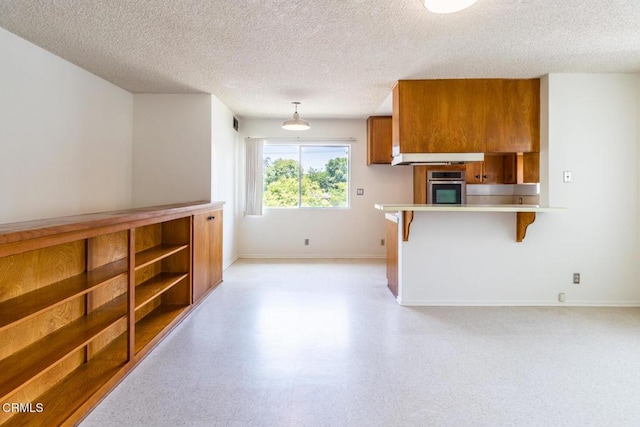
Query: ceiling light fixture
point(447, 6)
point(296, 123)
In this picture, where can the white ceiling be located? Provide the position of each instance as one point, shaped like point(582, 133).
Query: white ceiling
point(340, 58)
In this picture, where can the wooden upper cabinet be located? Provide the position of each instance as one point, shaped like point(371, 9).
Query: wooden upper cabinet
point(466, 115)
point(512, 116)
point(379, 140)
point(438, 116)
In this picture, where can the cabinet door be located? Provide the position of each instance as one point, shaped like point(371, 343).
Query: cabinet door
point(439, 116)
point(475, 171)
point(512, 116)
point(379, 140)
point(207, 252)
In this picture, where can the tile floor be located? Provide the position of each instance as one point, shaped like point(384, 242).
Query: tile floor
point(323, 343)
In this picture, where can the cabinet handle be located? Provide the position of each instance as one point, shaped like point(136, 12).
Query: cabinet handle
point(209, 218)
point(477, 176)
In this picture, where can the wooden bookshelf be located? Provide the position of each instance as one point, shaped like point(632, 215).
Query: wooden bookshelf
point(62, 401)
point(157, 253)
point(152, 288)
point(83, 299)
point(154, 322)
point(32, 303)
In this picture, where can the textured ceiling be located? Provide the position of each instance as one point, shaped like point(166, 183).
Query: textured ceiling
point(340, 58)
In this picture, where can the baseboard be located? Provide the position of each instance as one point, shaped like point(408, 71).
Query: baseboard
point(433, 303)
point(304, 256)
point(227, 265)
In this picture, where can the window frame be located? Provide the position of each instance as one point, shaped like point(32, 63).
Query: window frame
point(319, 143)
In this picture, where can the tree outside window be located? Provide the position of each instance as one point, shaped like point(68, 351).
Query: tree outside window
point(308, 176)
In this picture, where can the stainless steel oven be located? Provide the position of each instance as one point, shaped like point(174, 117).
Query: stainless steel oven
point(446, 187)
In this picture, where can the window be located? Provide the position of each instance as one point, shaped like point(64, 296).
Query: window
point(306, 176)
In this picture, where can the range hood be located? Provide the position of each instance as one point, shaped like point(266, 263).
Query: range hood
point(436, 158)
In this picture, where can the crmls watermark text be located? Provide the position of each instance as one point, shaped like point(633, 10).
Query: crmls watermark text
point(22, 407)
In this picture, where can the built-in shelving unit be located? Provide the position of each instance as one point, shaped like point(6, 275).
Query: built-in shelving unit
point(83, 299)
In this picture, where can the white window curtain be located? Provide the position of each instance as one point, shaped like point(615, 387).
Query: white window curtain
point(253, 193)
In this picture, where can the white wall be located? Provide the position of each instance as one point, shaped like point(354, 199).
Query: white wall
point(593, 132)
point(65, 136)
point(171, 149)
point(223, 176)
point(354, 232)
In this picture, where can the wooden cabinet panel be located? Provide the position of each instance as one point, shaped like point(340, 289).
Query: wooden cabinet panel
point(379, 140)
point(438, 116)
point(531, 167)
point(495, 169)
point(392, 257)
point(512, 115)
point(466, 115)
point(207, 252)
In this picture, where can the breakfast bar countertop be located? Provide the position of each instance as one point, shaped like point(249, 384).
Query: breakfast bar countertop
point(466, 208)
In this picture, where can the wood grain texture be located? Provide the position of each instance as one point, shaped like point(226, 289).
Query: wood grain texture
point(100, 223)
point(440, 116)
point(23, 334)
point(148, 237)
point(379, 140)
point(27, 364)
point(392, 257)
point(466, 115)
point(512, 115)
point(207, 252)
point(523, 220)
point(32, 303)
point(62, 400)
point(105, 249)
point(150, 328)
point(26, 272)
point(34, 390)
point(531, 167)
point(158, 253)
point(155, 286)
point(407, 219)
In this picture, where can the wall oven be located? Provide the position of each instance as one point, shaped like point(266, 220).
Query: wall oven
point(446, 187)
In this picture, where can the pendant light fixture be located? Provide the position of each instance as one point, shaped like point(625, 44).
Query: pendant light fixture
point(296, 123)
point(447, 6)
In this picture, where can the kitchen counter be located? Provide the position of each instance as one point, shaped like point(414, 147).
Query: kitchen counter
point(429, 264)
point(525, 214)
point(467, 208)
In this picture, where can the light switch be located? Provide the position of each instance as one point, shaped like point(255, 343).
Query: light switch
point(360, 192)
point(566, 176)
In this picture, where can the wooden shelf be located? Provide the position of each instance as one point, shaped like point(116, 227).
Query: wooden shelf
point(64, 399)
point(24, 366)
point(153, 323)
point(147, 291)
point(33, 303)
point(157, 253)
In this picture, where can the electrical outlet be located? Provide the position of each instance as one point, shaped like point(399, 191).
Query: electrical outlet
point(561, 297)
point(566, 176)
point(576, 278)
point(306, 242)
point(381, 242)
